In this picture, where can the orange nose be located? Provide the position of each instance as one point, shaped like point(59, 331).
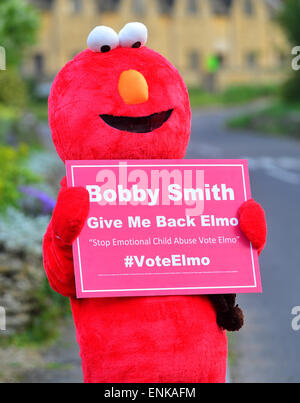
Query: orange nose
point(133, 87)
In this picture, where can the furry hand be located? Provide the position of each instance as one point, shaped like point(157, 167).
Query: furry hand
point(253, 223)
point(70, 214)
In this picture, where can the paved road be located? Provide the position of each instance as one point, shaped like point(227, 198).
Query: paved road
point(61, 362)
point(266, 349)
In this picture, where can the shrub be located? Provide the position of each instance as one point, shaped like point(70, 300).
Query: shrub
point(21, 240)
point(49, 166)
point(13, 174)
point(13, 89)
point(232, 95)
point(17, 128)
point(246, 93)
point(289, 19)
point(18, 27)
point(19, 232)
point(291, 89)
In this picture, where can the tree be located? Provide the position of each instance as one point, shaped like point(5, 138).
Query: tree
point(289, 17)
point(18, 27)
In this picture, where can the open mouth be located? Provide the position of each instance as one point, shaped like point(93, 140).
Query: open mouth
point(143, 124)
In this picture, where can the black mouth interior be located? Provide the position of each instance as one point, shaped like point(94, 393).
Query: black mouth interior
point(144, 124)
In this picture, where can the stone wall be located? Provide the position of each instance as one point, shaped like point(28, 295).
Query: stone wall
point(21, 276)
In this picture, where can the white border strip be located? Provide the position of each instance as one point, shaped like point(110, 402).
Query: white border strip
point(163, 289)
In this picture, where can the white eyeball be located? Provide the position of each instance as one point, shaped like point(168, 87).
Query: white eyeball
point(133, 35)
point(102, 39)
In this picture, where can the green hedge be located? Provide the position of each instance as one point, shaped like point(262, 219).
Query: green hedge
point(233, 95)
point(13, 174)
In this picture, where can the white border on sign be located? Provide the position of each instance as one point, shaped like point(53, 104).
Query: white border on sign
point(164, 289)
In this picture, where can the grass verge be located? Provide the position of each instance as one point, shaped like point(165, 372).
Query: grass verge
point(279, 119)
point(233, 95)
point(43, 329)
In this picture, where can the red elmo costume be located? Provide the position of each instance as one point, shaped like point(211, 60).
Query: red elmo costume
point(119, 102)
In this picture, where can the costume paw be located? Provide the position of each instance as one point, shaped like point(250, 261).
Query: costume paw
point(231, 320)
point(70, 213)
point(253, 223)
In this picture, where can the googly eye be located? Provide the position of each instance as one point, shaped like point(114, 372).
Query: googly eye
point(133, 35)
point(102, 39)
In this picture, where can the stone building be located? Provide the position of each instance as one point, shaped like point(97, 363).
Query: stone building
point(241, 35)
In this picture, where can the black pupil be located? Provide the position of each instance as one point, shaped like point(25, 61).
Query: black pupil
point(137, 45)
point(105, 49)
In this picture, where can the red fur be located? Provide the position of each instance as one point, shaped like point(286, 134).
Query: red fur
point(158, 339)
point(88, 86)
point(150, 339)
point(70, 213)
point(253, 223)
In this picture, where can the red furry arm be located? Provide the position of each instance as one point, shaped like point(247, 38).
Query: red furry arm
point(253, 223)
point(68, 219)
point(58, 264)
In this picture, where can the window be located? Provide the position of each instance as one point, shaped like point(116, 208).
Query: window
point(39, 64)
point(44, 4)
point(221, 7)
point(251, 59)
point(76, 6)
point(248, 7)
point(166, 6)
point(282, 58)
point(139, 7)
point(194, 61)
point(192, 6)
point(108, 5)
point(221, 59)
point(272, 9)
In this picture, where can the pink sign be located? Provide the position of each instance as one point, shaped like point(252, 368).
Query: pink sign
point(163, 228)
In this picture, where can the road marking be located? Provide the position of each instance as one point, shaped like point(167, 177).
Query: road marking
point(285, 169)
